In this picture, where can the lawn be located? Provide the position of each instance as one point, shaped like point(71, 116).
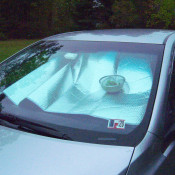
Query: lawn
point(8, 48)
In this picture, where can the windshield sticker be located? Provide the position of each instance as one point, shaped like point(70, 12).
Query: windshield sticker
point(116, 124)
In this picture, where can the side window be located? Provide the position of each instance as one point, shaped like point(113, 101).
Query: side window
point(170, 118)
point(169, 125)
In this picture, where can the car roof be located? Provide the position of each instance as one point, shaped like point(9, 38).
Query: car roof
point(152, 36)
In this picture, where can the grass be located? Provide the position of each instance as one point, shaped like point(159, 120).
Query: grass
point(8, 48)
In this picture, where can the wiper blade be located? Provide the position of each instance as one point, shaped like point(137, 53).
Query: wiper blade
point(24, 125)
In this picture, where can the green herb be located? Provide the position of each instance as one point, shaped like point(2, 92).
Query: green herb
point(111, 83)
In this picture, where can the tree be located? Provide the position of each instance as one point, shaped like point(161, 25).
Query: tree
point(38, 18)
point(63, 19)
point(103, 13)
point(84, 14)
point(162, 14)
point(124, 14)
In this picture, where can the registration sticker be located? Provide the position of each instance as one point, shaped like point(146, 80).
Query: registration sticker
point(116, 124)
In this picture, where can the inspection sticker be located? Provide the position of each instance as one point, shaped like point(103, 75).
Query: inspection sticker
point(116, 124)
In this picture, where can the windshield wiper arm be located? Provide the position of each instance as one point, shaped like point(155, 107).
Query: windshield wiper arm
point(24, 125)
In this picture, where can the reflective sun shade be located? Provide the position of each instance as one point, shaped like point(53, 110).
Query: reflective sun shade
point(64, 77)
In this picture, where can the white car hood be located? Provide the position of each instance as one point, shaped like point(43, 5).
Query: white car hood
point(29, 154)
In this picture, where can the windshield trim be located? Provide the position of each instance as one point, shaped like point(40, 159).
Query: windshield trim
point(123, 139)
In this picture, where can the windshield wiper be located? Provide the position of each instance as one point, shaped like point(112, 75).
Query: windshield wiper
point(28, 126)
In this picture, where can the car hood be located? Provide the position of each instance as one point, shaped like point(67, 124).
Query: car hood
point(24, 153)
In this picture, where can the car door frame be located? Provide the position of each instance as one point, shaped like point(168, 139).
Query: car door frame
point(148, 156)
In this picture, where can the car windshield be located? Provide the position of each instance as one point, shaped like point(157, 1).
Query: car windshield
point(97, 92)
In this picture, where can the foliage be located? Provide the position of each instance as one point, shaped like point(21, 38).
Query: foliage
point(16, 73)
point(38, 18)
point(102, 13)
point(124, 14)
point(26, 62)
point(3, 36)
point(162, 14)
point(84, 14)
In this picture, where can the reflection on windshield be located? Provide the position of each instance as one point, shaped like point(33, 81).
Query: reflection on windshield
point(15, 69)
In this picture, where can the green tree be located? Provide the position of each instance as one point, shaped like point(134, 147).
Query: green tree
point(34, 18)
point(40, 18)
point(141, 7)
point(103, 13)
point(84, 14)
point(124, 14)
point(162, 14)
point(63, 16)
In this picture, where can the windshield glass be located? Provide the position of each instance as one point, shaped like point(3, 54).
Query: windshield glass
point(96, 92)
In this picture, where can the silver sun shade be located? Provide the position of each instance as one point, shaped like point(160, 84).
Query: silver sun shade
point(69, 83)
